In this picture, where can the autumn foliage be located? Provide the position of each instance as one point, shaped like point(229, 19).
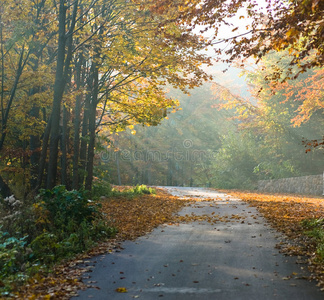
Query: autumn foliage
point(70, 70)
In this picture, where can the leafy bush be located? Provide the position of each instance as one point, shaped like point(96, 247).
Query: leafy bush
point(100, 188)
point(141, 189)
point(103, 188)
point(12, 258)
point(45, 247)
point(64, 207)
point(69, 223)
point(58, 225)
point(134, 191)
point(315, 230)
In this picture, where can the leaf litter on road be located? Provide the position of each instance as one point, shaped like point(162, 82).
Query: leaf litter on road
point(285, 213)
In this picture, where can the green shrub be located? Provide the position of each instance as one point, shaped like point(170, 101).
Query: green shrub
point(11, 253)
point(45, 247)
point(64, 208)
point(315, 230)
point(61, 223)
point(69, 223)
point(100, 188)
point(12, 260)
point(141, 189)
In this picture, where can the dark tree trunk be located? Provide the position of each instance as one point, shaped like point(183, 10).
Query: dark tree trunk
point(84, 142)
point(92, 130)
point(63, 68)
point(4, 189)
point(64, 142)
point(58, 94)
point(91, 148)
point(77, 123)
point(42, 160)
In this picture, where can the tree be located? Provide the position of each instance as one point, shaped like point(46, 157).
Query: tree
point(270, 119)
point(293, 25)
point(64, 57)
point(88, 63)
point(23, 79)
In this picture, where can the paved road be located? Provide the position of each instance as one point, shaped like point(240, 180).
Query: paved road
point(232, 259)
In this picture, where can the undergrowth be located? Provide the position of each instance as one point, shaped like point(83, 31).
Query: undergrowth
point(138, 190)
point(36, 235)
point(101, 188)
point(57, 224)
point(314, 228)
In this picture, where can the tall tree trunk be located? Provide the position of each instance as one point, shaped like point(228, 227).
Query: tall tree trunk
point(64, 141)
point(77, 123)
point(91, 148)
point(63, 68)
point(92, 129)
point(34, 145)
point(59, 86)
point(4, 189)
point(84, 142)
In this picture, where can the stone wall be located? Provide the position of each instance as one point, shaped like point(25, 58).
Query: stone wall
point(309, 185)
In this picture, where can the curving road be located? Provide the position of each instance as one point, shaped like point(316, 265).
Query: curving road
point(234, 258)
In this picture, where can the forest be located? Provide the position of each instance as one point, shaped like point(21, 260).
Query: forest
point(95, 93)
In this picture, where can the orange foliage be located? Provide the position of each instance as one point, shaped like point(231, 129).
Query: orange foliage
point(309, 93)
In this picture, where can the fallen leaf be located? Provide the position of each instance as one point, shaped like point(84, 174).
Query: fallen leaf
point(121, 290)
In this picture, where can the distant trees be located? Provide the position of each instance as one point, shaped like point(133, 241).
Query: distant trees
point(277, 120)
point(70, 67)
point(227, 141)
point(180, 151)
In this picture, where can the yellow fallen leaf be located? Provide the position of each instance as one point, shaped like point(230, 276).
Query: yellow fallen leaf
point(121, 290)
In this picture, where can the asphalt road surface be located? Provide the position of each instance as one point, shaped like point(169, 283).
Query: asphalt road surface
point(234, 259)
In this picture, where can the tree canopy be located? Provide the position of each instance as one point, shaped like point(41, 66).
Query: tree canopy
point(296, 26)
